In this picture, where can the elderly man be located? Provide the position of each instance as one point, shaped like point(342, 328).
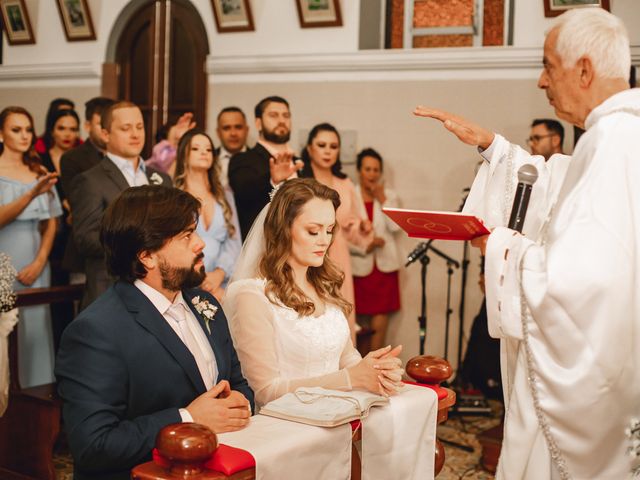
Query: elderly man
point(566, 305)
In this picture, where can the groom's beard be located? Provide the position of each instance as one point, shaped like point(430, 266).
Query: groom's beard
point(177, 278)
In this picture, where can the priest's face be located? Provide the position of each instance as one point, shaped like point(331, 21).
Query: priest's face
point(561, 84)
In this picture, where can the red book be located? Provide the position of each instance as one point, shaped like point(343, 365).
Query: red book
point(437, 225)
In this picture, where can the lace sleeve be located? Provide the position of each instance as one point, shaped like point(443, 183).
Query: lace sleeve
point(251, 320)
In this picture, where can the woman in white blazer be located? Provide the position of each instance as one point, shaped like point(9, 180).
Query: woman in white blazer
point(375, 270)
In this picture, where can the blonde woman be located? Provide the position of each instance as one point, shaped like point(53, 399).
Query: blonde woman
point(198, 173)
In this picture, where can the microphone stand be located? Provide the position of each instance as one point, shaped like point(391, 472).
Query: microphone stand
point(422, 319)
point(463, 291)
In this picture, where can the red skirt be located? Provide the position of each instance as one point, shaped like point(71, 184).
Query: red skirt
point(378, 292)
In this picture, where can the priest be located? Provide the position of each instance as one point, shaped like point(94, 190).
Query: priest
point(563, 298)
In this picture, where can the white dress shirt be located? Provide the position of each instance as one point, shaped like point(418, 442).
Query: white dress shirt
point(162, 304)
point(224, 157)
point(134, 177)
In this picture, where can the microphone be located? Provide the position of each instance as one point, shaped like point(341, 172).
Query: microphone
point(417, 252)
point(527, 176)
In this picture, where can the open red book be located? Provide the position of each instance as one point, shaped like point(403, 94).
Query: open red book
point(437, 225)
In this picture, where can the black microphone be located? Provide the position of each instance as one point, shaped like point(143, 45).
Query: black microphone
point(417, 252)
point(527, 176)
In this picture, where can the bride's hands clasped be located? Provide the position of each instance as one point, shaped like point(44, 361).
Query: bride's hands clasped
point(379, 372)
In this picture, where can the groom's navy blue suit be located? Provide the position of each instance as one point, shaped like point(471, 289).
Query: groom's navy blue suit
point(123, 374)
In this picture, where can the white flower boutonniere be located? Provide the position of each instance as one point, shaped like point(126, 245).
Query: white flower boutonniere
point(155, 178)
point(205, 309)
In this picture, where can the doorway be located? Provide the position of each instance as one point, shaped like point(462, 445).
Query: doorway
point(156, 59)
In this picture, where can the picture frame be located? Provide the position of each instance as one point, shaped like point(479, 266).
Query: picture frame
point(16, 22)
point(232, 15)
point(319, 13)
point(553, 8)
point(76, 20)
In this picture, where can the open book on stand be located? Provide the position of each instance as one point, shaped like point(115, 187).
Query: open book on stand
point(321, 407)
point(437, 225)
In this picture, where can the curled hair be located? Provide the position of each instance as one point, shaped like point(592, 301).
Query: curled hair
point(326, 279)
point(336, 168)
point(213, 175)
point(597, 34)
point(30, 158)
point(143, 219)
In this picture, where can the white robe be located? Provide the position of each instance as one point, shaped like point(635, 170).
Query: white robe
point(524, 451)
point(576, 378)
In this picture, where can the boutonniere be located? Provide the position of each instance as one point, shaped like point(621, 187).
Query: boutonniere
point(155, 178)
point(205, 309)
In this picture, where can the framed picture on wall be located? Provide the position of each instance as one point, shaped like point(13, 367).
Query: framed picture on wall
point(232, 15)
point(319, 13)
point(16, 23)
point(76, 20)
point(553, 8)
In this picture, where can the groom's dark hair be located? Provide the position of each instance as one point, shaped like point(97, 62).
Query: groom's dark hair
point(143, 219)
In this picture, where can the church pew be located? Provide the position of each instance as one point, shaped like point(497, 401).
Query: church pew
point(31, 425)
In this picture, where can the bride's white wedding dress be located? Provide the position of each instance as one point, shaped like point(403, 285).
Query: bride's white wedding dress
point(280, 351)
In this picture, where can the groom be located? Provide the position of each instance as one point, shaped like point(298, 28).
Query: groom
point(152, 350)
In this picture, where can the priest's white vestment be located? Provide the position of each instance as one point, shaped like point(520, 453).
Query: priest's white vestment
point(570, 365)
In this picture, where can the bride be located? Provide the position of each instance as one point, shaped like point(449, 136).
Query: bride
point(287, 315)
point(288, 320)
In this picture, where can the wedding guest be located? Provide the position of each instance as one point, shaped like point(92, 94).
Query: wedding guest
point(232, 130)
point(63, 135)
point(254, 173)
point(375, 273)
point(28, 210)
point(198, 173)
point(55, 105)
point(163, 154)
point(321, 158)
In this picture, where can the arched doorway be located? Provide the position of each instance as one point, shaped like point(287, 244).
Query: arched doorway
point(156, 59)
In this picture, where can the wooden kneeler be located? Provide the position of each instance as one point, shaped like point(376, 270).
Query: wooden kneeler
point(31, 425)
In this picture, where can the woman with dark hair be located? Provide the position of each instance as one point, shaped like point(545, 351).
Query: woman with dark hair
point(375, 273)
point(62, 136)
point(28, 210)
point(198, 173)
point(321, 159)
point(43, 143)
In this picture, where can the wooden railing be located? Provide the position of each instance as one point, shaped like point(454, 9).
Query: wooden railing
point(31, 425)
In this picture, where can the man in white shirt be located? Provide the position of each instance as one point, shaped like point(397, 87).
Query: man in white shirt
point(95, 189)
point(232, 130)
point(565, 299)
point(153, 349)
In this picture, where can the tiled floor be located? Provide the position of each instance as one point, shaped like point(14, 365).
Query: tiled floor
point(459, 464)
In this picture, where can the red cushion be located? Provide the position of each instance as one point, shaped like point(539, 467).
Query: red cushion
point(440, 392)
point(225, 459)
point(229, 460)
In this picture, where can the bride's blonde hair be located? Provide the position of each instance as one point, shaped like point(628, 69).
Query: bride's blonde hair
point(327, 279)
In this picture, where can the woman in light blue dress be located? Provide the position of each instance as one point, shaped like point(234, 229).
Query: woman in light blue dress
point(28, 210)
point(198, 173)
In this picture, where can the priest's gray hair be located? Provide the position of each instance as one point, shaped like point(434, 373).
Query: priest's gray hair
point(597, 34)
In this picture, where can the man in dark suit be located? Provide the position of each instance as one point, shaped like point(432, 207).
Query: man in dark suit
point(254, 173)
point(95, 189)
point(80, 159)
point(152, 350)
